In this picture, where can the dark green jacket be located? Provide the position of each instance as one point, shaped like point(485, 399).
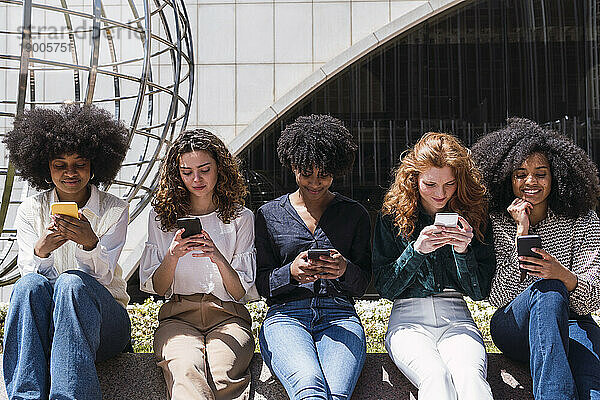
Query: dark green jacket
point(401, 272)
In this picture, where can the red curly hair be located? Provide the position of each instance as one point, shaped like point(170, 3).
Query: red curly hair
point(437, 150)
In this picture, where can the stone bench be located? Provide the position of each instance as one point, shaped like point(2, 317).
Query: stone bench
point(136, 376)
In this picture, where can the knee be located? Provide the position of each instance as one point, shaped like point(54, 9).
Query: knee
point(70, 285)
point(468, 373)
point(550, 285)
point(31, 286)
point(308, 386)
point(436, 376)
point(70, 280)
point(554, 294)
point(182, 369)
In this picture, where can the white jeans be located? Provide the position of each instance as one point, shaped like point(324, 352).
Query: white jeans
point(437, 346)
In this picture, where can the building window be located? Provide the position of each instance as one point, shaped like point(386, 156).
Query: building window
point(463, 72)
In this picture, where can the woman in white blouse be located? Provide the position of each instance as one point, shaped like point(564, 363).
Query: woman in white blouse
point(204, 341)
point(68, 309)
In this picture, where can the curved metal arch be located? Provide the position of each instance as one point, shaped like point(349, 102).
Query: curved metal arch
point(95, 53)
point(73, 47)
point(155, 136)
point(25, 56)
point(115, 68)
point(173, 106)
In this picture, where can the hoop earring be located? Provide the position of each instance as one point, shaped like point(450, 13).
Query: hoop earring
point(92, 177)
point(49, 182)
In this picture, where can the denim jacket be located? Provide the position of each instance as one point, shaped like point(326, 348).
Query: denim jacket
point(402, 272)
point(281, 234)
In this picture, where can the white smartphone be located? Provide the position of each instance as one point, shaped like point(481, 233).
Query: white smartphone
point(449, 220)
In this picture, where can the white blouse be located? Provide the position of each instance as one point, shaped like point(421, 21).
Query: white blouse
point(108, 217)
point(198, 274)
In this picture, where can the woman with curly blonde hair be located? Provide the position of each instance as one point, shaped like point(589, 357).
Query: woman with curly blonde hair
point(426, 267)
point(204, 340)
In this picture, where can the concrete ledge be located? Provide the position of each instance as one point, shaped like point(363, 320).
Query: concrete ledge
point(136, 376)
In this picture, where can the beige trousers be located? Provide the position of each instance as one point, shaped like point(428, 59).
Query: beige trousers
point(204, 347)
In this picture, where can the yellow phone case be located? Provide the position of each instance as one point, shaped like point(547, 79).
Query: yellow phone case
point(65, 208)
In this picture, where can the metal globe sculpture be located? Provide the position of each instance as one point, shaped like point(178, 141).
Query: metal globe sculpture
point(133, 58)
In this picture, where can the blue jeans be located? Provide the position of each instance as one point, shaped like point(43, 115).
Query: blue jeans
point(561, 348)
point(316, 347)
point(54, 333)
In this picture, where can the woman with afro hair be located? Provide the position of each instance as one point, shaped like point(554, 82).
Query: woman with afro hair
point(204, 340)
point(312, 338)
point(426, 268)
point(541, 183)
point(68, 309)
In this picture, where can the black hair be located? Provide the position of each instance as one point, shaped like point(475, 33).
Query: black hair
point(319, 141)
point(41, 135)
point(574, 188)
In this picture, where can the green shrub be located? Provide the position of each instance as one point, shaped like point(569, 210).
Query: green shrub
point(482, 312)
point(374, 315)
point(144, 320)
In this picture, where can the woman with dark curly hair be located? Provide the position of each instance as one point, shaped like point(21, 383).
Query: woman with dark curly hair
point(425, 268)
point(204, 340)
point(542, 184)
point(314, 257)
point(68, 308)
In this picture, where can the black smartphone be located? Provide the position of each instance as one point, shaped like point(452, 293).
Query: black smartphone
point(192, 226)
point(524, 246)
point(314, 254)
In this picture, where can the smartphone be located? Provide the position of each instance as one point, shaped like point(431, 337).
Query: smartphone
point(65, 208)
point(192, 226)
point(449, 220)
point(314, 254)
point(524, 246)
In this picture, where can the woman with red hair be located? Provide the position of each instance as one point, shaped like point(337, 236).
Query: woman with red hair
point(425, 269)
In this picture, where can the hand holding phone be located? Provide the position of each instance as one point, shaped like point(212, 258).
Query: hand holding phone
point(332, 266)
point(192, 226)
point(524, 246)
point(72, 226)
point(65, 208)
point(315, 254)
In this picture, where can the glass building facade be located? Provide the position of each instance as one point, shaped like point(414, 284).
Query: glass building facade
point(463, 72)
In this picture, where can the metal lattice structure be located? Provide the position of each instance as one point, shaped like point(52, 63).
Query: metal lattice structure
point(133, 58)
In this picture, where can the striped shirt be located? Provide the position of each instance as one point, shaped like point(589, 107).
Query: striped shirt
point(575, 242)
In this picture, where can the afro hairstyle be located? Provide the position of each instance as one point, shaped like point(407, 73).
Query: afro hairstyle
point(574, 187)
point(41, 135)
point(319, 141)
